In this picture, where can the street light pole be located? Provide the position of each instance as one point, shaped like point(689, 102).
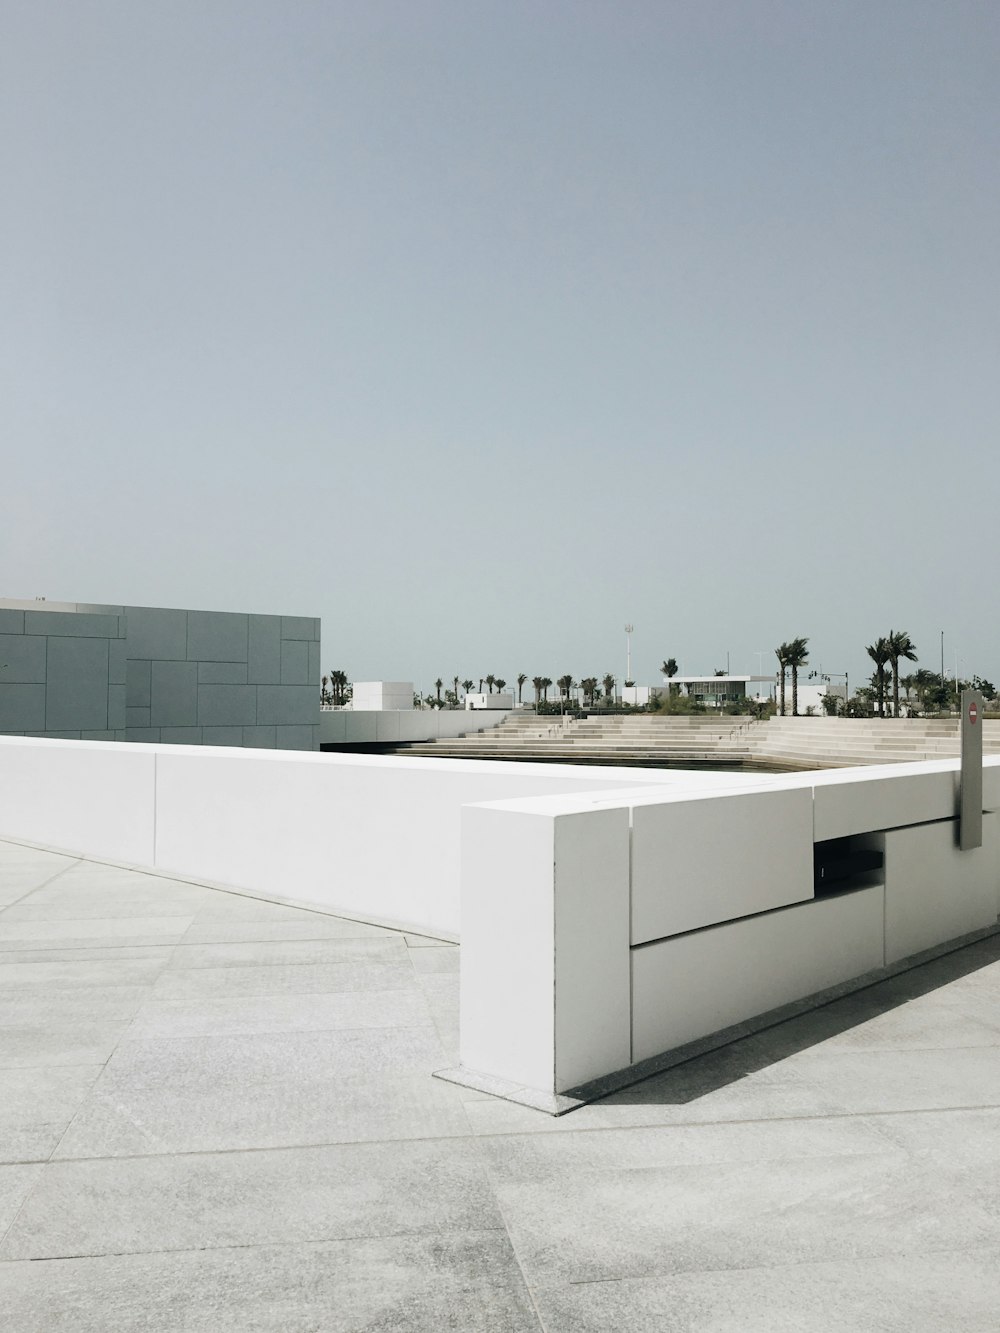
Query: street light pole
point(628, 651)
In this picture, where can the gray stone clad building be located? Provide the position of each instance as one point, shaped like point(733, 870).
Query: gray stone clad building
point(139, 673)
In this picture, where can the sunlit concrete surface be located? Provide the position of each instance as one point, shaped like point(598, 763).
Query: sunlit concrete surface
point(217, 1113)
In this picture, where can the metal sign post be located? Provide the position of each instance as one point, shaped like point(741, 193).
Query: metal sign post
point(970, 810)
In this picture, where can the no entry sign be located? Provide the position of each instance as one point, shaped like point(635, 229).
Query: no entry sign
point(973, 712)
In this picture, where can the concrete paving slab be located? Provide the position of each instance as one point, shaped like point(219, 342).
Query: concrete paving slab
point(42, 1045)
point(571, 1225)
point(281, 1013)
point(284, 1196)
point(15, 976)
point(896, 1294)
point(306, 926)
point(271, 953)
point(409, 1284)
point(265, 1090)
point(91, 931)
point(442, 959)
point(268, 1134)
point(279, 979)
point(37, 1106)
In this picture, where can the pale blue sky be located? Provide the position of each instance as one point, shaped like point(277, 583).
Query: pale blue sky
point(478, 329)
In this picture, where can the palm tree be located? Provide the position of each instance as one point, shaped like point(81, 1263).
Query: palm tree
point(589, 687)
point(669, 667)
point(521, 681)
point(781, 653)
point(499, 684)
point(338, 686)
point(437, 685)
point(467, 685)
point(491, 681)
point(546, 684)
point(900, 645)
point(454, 686)
point(609, 685)
point(880, 655)
point(565, 684)
point(537, 683)
point(797, 657)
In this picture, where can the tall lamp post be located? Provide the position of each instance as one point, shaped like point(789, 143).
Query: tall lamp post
point(628, 651)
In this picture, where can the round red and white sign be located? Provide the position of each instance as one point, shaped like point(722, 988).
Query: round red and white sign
point(973, 712)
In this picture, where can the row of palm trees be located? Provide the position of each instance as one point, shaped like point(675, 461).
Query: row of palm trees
point(886, 653)
point(791, 656)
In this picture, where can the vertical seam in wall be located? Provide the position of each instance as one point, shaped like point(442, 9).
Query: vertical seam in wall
point(631, 1001)
point(155, 800)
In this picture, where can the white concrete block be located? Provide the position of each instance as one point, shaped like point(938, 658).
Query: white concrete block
point(709, 858)
point(544, 983)
point(693, 985)
point(860, 800)
point(933, 891)
point(79, 796)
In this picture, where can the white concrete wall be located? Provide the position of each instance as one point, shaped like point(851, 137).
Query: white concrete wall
point(721, 912)
point(382, 694)
point(344, 726)
point(362, 836)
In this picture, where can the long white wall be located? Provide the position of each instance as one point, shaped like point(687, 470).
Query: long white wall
point(347, 726)
point(363, 836)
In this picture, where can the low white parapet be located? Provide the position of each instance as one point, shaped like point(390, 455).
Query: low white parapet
point(476, 701)
point(725, 916)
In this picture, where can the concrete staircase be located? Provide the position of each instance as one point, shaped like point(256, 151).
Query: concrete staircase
point(688, 742)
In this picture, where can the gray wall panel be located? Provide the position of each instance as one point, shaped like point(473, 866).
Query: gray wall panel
point(76, 684)
point(264, 650)
point(222, 673)
point(116, 707)
point(22, 708)
point(22, 659)
point(180, 735)
point(259, 738)
point(157, 633)
point(217, 636)
point(11, 622)
point(136, 717)
point(70, 626)
point(117, 661)
point(314, 671)
point(222, 736)
point(287, 705)
point(138, 675)
point(227, 705)
point(296, 738)
point(299, 627)
point(173, 694)
point(294, 662)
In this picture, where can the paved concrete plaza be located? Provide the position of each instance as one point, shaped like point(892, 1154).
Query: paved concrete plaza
point(217, 1113)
